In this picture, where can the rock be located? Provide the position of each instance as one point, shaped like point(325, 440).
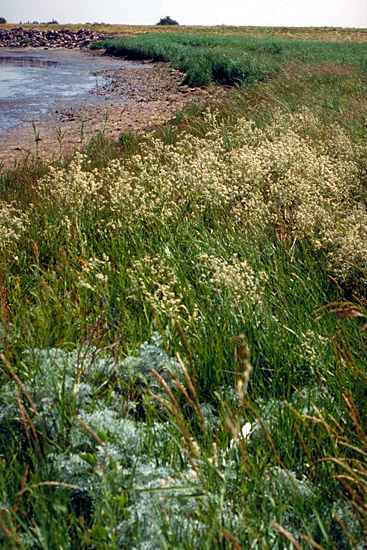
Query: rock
point(20, 38)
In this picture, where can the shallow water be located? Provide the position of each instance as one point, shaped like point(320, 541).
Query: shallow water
point(33, 83)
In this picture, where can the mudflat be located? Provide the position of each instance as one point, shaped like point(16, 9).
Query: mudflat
point(131, 99)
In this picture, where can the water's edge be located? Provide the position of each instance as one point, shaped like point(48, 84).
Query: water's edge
point(35, 84)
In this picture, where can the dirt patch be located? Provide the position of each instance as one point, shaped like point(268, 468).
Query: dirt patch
point(153, 95)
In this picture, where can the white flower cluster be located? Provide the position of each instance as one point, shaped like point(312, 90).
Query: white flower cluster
point(12, 225)
point(295, 175)
point(237, 277)
point(158, 282)
point(93, 276)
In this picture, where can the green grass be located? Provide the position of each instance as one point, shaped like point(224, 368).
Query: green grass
point(230, 59)
point(160, 292)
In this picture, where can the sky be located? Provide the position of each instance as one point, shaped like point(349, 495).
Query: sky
point(287, 13)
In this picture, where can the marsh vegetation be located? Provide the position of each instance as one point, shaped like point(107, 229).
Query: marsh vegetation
point(183, 319)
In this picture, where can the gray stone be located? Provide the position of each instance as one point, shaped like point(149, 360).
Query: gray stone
point(20, 38)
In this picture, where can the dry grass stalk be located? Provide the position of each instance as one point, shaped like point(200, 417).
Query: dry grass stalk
point(191, 386)
point(346, 531)
point(234, 426)
point(187, 349)
point(27, 421)
point(159, 325)
point(48, 484)
point(10, 532)
point(235, 544)
point(18, 382)
point(344, 310)
point(271, 442)
point(91, 432)
point(304, 447)
point(19, 497)
point(22, 414)
point(174, 409)
point(287, 535)
point(191, 453)
point(194, 405)
point(311, 542)
point(320, 420)
point(354, 416)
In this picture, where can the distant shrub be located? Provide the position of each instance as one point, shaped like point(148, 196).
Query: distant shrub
point(2, 20)
point(167, 21)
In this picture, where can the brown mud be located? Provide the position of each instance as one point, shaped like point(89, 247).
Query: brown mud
point(140, 99)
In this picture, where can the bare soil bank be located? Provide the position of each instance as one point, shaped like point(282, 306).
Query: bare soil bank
point(156, 94)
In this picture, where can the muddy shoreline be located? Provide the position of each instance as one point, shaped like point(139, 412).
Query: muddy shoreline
point(133, 99)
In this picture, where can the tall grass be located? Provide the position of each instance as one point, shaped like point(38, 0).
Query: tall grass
point(182, 328)
point(230, 59)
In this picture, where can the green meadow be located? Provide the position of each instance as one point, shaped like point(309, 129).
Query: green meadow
point(183, 315)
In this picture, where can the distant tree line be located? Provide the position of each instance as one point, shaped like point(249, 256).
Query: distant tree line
point(52, 22)
point(2, 20)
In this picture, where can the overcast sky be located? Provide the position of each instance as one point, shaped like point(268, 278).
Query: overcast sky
point(295, 13)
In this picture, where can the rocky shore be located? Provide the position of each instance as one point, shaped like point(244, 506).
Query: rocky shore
point(34, 38)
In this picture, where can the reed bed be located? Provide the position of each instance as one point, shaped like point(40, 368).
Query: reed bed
point(231, 59)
